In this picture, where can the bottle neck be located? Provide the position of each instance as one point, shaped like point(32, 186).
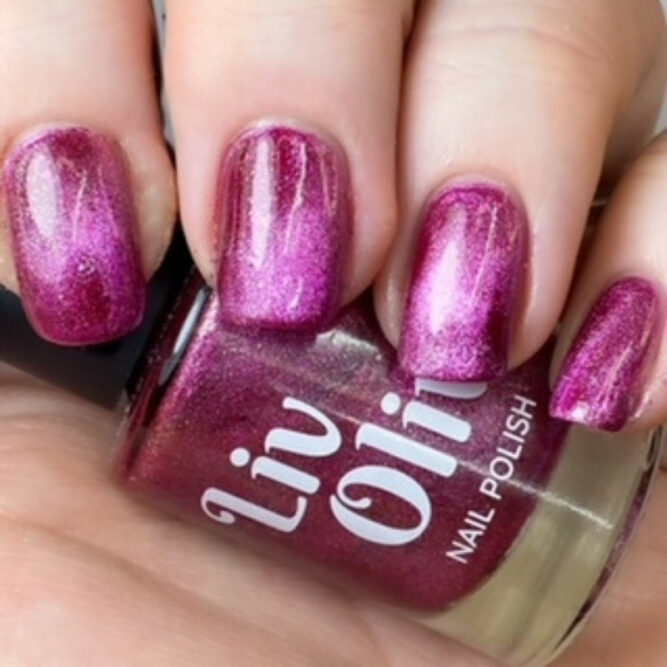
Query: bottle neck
point(99, 373)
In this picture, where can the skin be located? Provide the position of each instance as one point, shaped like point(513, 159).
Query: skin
point(90, 574)
point(574, 89)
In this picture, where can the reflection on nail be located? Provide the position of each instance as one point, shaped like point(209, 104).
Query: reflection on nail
point(600, 382)
point(284, 224)
point(467, 278)
point(71, 215)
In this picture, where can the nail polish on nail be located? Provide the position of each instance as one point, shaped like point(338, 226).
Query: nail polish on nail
point(600, 382)
point(467, 277)
point(70, 214)
point(284, 228)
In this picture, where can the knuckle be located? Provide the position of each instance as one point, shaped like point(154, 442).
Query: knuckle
point(337, 11)
point(587, 47)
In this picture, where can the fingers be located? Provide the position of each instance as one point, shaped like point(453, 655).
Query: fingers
point(88, 189)
point(507, 113)
point(285, 124)
point(628, 626)
point(611, 357)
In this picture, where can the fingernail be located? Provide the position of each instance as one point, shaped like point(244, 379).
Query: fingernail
point(70, 214)
point(600, 382)
point(466, 282)
point(284, 225)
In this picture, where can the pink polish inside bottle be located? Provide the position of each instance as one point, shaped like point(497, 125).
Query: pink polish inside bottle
point(464, 505)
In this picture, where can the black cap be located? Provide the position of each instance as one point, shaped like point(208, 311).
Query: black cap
point(99, 373)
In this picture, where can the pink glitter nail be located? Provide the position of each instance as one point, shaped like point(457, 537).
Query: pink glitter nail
point(466, 283)
point(284, 221)
point(71, 215)
point(600, 383)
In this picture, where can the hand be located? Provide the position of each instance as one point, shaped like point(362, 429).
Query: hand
point(90, 576)
point(536, 99)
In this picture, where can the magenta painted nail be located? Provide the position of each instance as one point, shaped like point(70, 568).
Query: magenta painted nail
point(70, 212)
point(600, 383)
point(284, 224)
point(466, 283)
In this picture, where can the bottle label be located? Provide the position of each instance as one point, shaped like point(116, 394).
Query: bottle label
point(414, 487)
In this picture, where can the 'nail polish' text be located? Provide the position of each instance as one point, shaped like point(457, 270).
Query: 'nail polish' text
point(501, 470)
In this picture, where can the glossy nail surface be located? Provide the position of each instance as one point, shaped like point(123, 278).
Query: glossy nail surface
point(600, 382)
point(469, 265)
point(70, 212)
point(284, 225)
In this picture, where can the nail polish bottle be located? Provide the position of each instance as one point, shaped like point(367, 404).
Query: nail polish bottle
point(462, 505)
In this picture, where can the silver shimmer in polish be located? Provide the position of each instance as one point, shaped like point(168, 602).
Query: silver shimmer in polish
point(284, 227)
point(600, 382)
point(466, 283)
